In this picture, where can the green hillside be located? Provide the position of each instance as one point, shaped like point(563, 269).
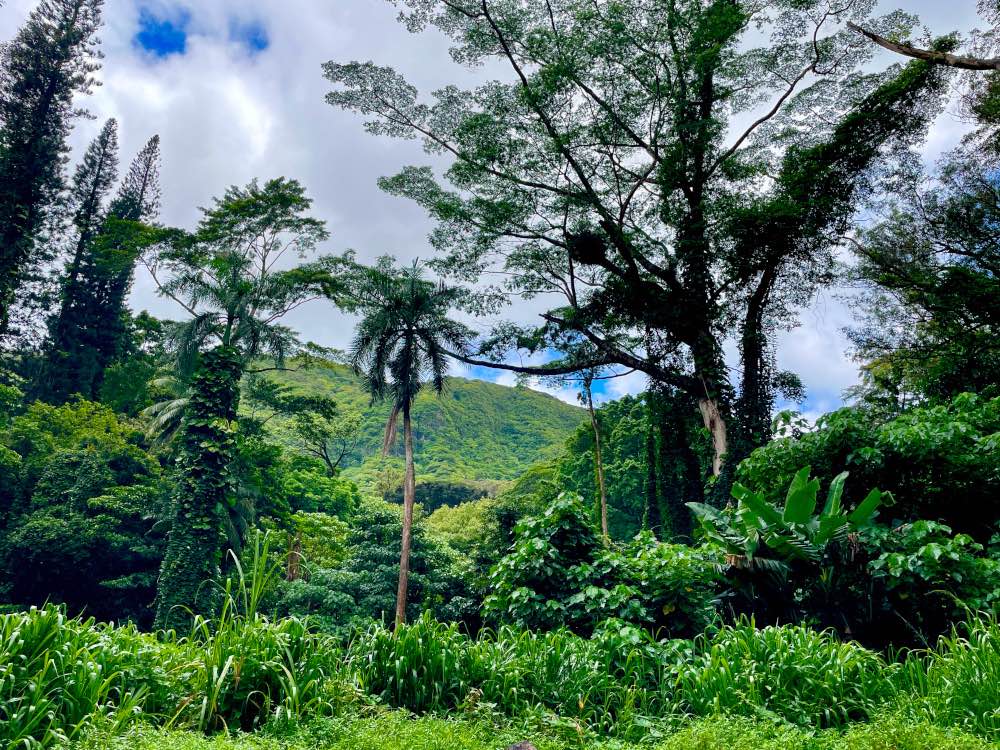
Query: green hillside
point(474, 432)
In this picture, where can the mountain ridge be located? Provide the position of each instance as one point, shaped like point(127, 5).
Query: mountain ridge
point(475, 432)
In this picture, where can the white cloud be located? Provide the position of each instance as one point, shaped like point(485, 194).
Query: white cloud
point(226, 116)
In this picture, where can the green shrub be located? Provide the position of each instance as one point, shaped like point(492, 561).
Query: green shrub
point(363, 587)
point(928, 577)
point(940, 462)
point(559, 574)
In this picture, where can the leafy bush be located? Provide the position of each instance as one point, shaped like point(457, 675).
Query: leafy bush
point(930, 577)
point(80, 518)
point(363, 587)
point(560, 574)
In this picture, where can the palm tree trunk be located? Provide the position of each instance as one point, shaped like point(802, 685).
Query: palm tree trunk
point(599, 460)
point(409, 492)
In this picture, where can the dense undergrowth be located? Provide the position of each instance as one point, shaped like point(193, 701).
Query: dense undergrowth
point(63, 678)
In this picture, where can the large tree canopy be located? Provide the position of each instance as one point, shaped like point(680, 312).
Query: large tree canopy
point(672, 174)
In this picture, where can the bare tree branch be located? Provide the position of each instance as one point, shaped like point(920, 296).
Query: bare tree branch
point(938, 58)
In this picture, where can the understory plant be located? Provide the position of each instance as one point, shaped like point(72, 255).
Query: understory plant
point(560, 574)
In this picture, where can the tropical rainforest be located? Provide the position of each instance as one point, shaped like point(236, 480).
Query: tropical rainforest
point(218, 534)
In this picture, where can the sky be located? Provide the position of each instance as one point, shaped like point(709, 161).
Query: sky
point(234, 89)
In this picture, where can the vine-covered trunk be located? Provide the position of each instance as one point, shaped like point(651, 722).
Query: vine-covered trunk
point(599, 463)
point(409, 493)
point(189, 575)
point(651, 517)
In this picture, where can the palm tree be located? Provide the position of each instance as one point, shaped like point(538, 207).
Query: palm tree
point(399, 344)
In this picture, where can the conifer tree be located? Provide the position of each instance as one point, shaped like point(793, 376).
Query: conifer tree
point(52, 58)
point(138, 200)
point(89, 332)
point(65, 351)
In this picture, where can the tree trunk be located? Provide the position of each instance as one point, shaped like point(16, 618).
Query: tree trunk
point(716, 426)
point(599, 461)
point(409, 492)
point(651, 517)
point(293, 567)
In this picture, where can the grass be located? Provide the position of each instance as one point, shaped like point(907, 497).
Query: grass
point(398, 731)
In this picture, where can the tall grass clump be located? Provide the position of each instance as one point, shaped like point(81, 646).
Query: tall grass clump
point(607, 683)
point(792, 673)
point(58, 676)
point(246, 669)
point(957, 683)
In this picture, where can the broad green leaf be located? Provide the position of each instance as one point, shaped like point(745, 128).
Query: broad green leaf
point(866, 510)
point(836, 491)
point(756, 504)
point(801, 500)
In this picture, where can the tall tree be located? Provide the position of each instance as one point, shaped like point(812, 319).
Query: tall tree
point(400, 342)
point(90, 329)
point(69, 361)
point(226, 277)
point(931, 272)
point(604, 171)
point(52, 59)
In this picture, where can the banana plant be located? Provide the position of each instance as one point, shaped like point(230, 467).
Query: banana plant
point(758, 534)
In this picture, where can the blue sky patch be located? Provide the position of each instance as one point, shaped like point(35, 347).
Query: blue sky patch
point(162, 36)
point(251, 35)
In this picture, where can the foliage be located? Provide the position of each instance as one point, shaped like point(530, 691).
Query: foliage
point(89, 331)
point(558, 573)
point(940, 462)
point(397, 730)
point(653, 463)
point(931, 577)
point(931, 270)
point(244, 670)
point(657, 227)
point(52, 59)
point(81, 516)
point(434, 495)
point(57, 677)
point(465, 527)
point(758, 534)
point(790, 563)
point(362, 588)
point(309, 489)
point(224, 277)
point(474, 432)
point(898, 583)
point(958, 681)
point(793, 673)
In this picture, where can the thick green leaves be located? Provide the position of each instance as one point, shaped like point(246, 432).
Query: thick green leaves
point(801, 499)
point(866, 510)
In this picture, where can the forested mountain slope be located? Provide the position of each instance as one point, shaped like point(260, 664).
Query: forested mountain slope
point(476, 431)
